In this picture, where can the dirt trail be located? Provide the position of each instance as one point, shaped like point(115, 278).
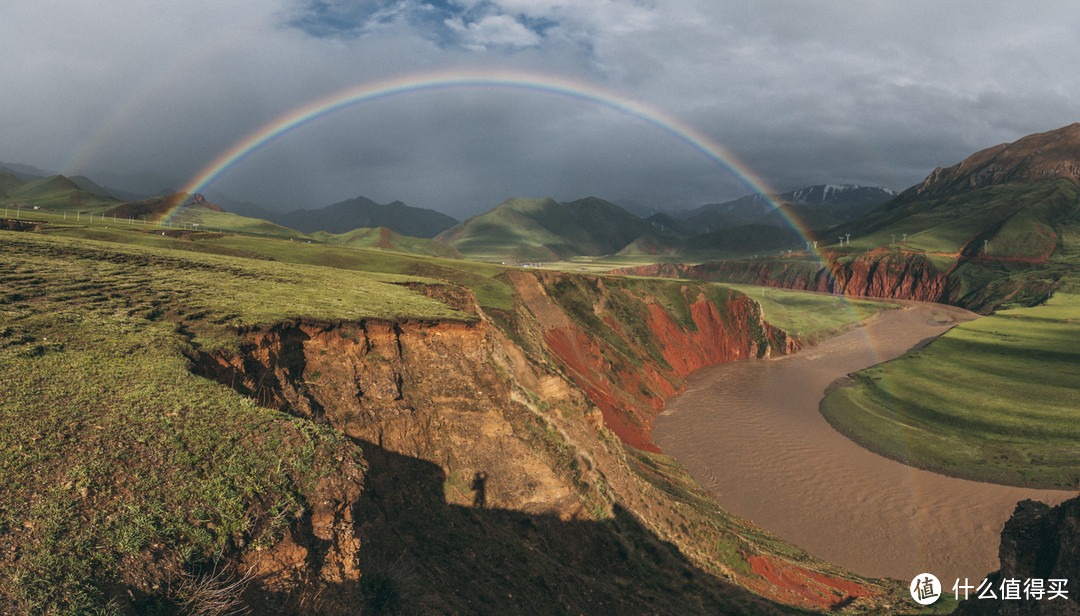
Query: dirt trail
point(750, 431)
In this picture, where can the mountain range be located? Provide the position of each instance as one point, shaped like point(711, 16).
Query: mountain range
point(361, 212)
point(818, 206)
point(997, 229)
point(545, 229)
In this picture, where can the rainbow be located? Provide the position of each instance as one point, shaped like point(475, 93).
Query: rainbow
point(533, 82)
point(425, 82)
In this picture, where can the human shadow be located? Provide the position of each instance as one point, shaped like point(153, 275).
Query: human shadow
point(479, 488)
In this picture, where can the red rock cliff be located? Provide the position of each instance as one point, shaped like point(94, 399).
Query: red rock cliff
point(628, 352)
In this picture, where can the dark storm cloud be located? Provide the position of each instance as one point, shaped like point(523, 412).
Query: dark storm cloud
point(801, 93)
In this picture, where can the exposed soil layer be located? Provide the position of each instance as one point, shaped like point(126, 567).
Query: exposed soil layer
point(751, 432)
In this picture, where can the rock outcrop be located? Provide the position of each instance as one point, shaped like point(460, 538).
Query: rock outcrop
point(1038, 543)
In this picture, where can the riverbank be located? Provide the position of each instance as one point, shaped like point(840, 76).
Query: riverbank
point(750, 432)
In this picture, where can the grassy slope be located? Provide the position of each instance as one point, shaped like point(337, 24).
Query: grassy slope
point(126, 451)
point(385, 239)
point(55, 192)
point(995, 399)
point(1008, 214)
point(479, 277)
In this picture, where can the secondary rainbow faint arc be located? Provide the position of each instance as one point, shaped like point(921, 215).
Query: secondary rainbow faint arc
point(516, 80)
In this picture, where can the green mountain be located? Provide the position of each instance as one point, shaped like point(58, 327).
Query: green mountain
point(1003, 224)
point(54, 192)
point(361, 212)
point(546, 230)
point(190, 213)
point(382, 238)
point(89, 185)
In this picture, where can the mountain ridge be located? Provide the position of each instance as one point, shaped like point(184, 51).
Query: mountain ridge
point(361, 212)
point(544, 229)
point(1036, 157)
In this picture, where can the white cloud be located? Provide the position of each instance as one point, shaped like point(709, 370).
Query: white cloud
point(493, 30)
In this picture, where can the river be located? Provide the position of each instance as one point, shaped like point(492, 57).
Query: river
point(750, 431)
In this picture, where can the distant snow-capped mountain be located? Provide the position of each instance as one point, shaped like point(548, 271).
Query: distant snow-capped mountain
point(820, 205)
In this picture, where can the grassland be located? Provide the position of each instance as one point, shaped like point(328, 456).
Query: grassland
point(481, 278)
point(113, 449)
point(995, 399)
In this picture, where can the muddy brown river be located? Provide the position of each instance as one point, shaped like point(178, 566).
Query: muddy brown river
point(750, 432)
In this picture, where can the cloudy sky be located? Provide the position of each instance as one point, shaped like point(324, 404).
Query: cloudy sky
point(800, 92)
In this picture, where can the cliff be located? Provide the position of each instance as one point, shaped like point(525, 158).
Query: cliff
point(508, 465)
point(1037, 543)
point(970, 281)
point(881, 273)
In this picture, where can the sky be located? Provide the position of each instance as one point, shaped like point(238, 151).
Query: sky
point(796, 92)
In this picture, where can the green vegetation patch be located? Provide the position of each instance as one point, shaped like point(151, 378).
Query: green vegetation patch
point(995, 399)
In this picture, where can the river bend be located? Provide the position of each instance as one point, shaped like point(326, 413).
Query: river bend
point(750, 431)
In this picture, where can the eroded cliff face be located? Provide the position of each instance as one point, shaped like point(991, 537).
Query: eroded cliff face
point(628, 352)
point(499, 475)
point(880, 273)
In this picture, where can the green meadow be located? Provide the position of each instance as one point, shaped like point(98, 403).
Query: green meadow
point(996, 399)
point(113, 448)
point(292, 247)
